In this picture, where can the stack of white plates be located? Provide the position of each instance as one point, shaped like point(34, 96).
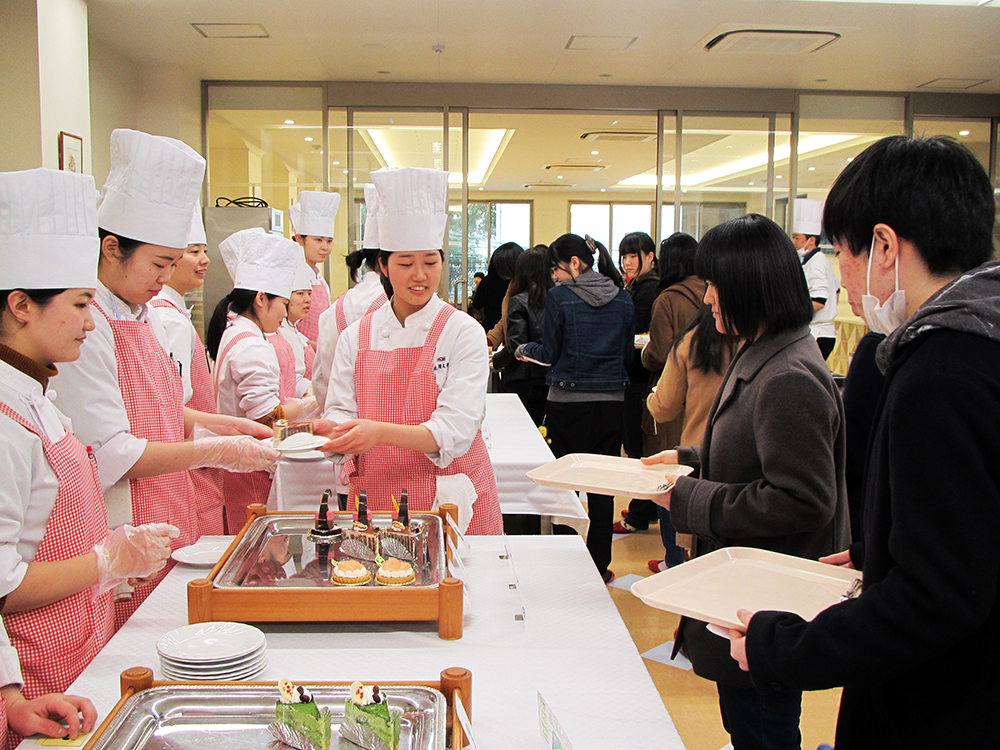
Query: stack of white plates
point(212, 651)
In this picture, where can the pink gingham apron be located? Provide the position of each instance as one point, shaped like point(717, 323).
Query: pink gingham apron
point(309, 325)
point(286, 365)
point(341, 316)
point(56, 642)
point(241, 490)
point(398, 386)
point(152, 392)
point(208, 481)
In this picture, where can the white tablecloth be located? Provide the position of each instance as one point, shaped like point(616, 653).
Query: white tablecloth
point(515, 446)
point(570, 645)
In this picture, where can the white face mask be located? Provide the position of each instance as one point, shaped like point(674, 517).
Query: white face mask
point(890, 315)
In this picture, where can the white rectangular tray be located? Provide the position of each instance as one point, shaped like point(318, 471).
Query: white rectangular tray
point(712, 587)
point(608, 475)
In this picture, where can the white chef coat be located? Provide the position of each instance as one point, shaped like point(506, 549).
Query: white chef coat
point(823, 284)
point(298, 343)
point(10, 665)
point(247, 384)
point(29, 487)
point(87, 392)
point(461, 370)
point(180, 334)
point(357, 300)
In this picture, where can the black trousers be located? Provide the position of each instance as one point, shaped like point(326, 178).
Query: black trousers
point(589, 427)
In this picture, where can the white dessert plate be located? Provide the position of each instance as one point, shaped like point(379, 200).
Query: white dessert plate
point(212, 666)
point(236, 674)
point(608, 475)
point(301, 442)
point(713, 587)
point(200, 554)
point(310, 455)
point(210, 641)
point(257, 663)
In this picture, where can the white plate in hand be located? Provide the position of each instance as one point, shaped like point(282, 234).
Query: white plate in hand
point(301, 441)
point(608, 475)
point(200, 554)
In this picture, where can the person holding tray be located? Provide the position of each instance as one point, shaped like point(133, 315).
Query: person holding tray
point(916, 652)
point(407, 392)
point(770, 468)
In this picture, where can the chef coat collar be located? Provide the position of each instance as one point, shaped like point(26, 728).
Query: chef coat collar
point(118, 308)
point(172, 295)
point(421, 317)
point(36, 371)
point(243, 323)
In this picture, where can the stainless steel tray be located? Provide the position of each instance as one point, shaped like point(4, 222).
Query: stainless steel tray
point(235, 717)
point(276, 552)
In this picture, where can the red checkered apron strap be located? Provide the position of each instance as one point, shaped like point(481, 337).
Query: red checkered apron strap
point(380, 300)
point(151, 391)
point(475, 463)
point(310, 357)
point(221, 359)
point(339, 315)
point(286, 365)
point(56, 642)
point(320, 302)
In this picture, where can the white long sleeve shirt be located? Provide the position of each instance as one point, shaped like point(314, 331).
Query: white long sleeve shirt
point(10, 665)
point(248, 375)
point(87, 392)
point(298, 342)
point(823, 284)
point(29, 487)
point(357, 300)
point(461, 369)
point(180, 334)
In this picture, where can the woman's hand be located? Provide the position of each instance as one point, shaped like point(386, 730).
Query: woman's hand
point(738, 639)
point(663, 457)
point(843, 559)
point(351, 438)
point(28, 717)
point(663, 500)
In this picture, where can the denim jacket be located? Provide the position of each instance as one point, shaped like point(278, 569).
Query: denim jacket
point(586, 347)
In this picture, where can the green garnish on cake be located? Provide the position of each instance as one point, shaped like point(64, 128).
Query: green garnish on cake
point(368, 721)
point(299, 722)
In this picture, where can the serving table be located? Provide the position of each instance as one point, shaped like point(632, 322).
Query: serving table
point(515, 446)
point(538, 621)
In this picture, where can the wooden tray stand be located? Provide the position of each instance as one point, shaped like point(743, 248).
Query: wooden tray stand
point(455, 684)
point(363, 604)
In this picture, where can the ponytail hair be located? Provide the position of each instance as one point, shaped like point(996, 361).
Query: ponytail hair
point(563, 249)
point(367, 256)
point(238, 301)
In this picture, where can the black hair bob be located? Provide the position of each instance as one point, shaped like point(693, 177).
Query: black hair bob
point(676, 259)
point(933, 192)
point(504, 260)
point(636, 243)
point(758, 276)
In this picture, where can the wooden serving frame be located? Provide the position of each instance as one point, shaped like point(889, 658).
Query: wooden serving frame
point(443, 602)
point(455, 684)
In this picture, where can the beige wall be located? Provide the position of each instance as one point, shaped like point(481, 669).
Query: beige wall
point(21, 145)
point(114, 81)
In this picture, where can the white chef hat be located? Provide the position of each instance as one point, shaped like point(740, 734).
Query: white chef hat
point(303, 274)
point(48, 230)
point(261, 261)
point(808, 217)
point(315, 213)
point(371, 241)
point(152, 185)
point(196, 234)
point(413, 208)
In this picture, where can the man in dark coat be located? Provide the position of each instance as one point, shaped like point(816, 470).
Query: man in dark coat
point(918, 652)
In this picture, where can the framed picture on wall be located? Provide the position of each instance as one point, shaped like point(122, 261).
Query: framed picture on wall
point(70, 152)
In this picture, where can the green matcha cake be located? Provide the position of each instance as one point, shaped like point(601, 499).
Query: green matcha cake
point(368, 722)
point(299, 722)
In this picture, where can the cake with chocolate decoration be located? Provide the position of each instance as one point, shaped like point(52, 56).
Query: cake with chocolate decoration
point(299, 722)
point(368, 722)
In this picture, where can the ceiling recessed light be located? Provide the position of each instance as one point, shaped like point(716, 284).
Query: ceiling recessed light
point(482, 188)
point(812, 169)
point(614, 123)
point(728, 146)
point(289, 122)
point(336, 164)
point(559, 176)
point(345, 171)
point(850, 159)
point(964, 132)
point(749, 183)
point(777, 177)
point(604, 190)
point(308, 138)
point(594, 153)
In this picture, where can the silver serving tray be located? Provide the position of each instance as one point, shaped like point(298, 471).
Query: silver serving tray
point(277, 552)
point(235, 717)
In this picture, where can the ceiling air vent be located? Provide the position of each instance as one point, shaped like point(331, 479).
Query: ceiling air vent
point(576, 167)
point(953, 83)
point(620, 136)
point(771, 41)
point(528, 185)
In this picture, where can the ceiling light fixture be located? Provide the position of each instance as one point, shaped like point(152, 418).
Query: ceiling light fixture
point(964, 132)
point(308, 138)
point(231, 30)
point(594, 153)
point(812, 169)
point(289, 122)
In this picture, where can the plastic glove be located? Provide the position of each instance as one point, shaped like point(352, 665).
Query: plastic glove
point(300, 409)
point(240, 453)
point(133, 552)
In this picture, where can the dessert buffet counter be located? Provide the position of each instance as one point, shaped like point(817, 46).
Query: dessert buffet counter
point(538, 621)
point(515, 447)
